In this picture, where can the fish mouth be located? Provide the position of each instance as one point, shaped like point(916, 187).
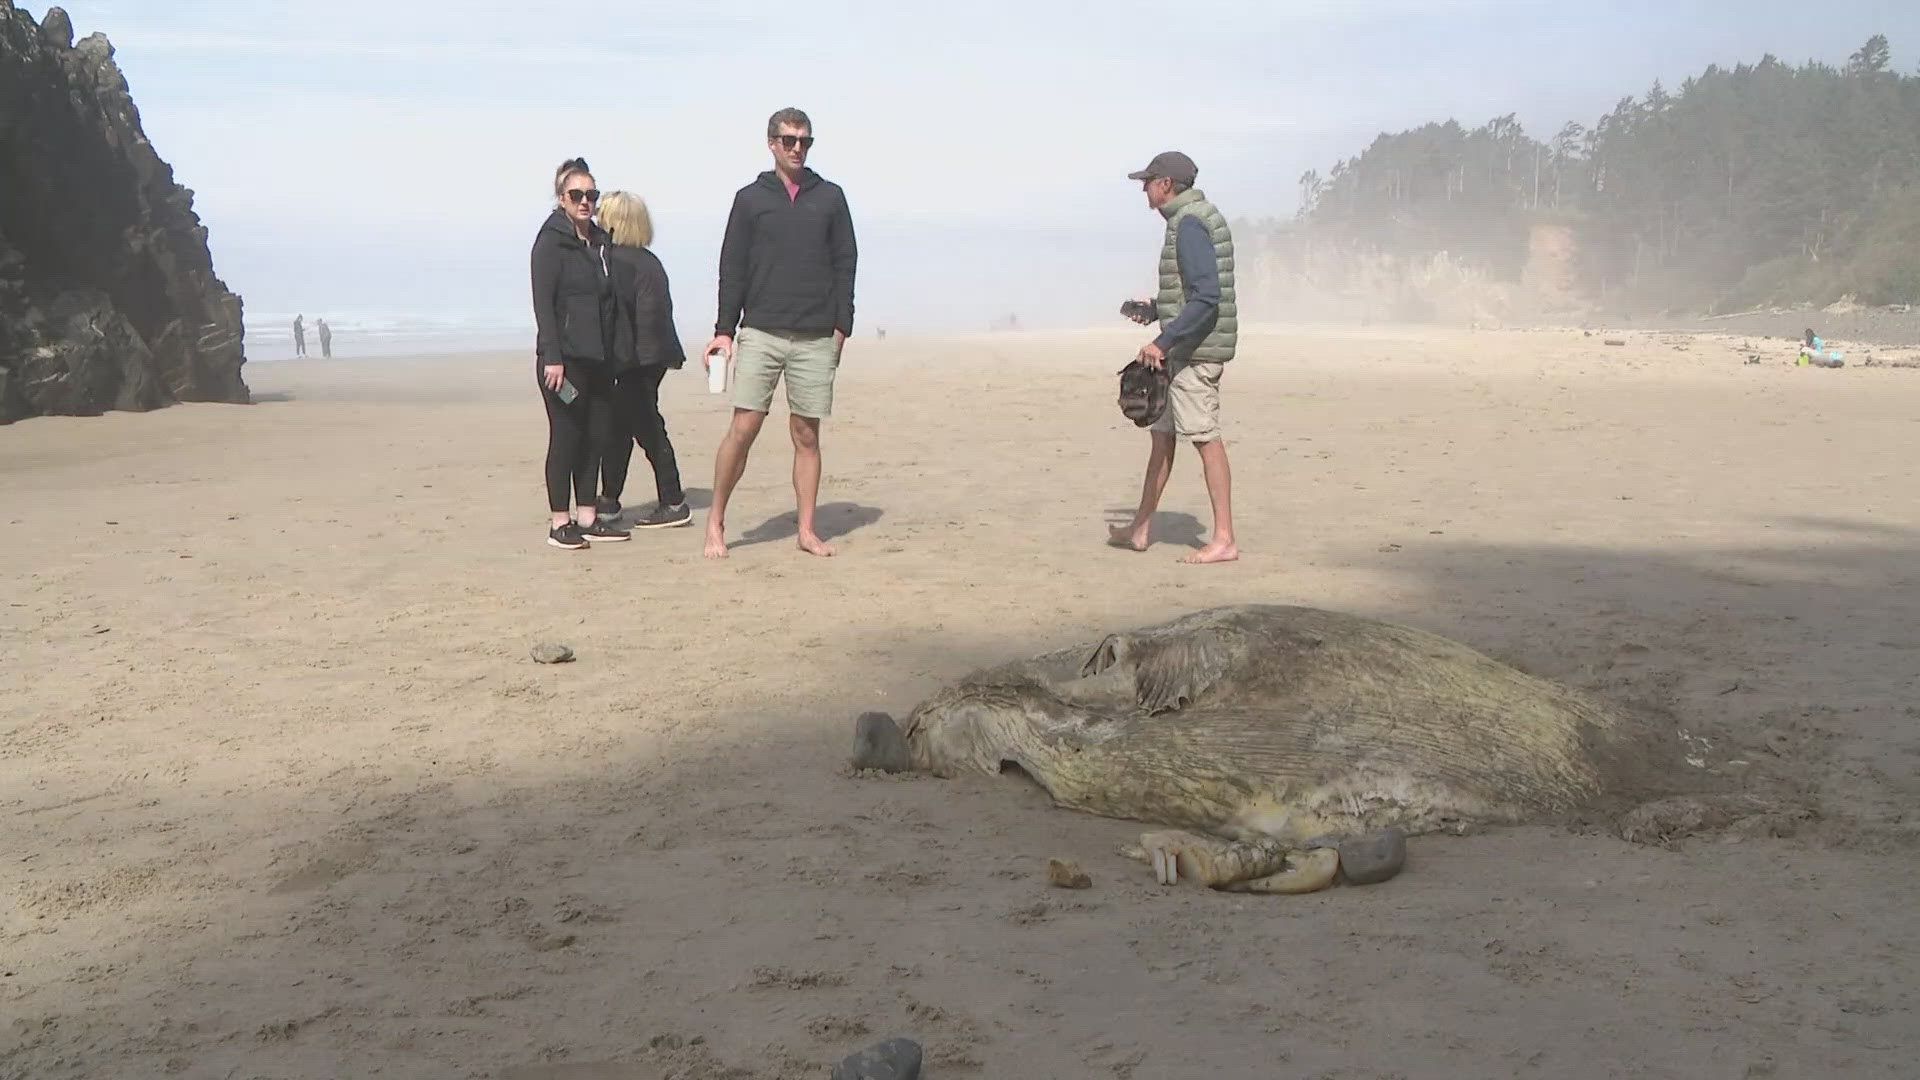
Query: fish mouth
point(962, 730)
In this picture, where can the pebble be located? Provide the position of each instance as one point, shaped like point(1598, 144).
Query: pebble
point(1066, 874)
point(893, 1059)
point(1375, 857)
point(878, 744)
point(551, 652)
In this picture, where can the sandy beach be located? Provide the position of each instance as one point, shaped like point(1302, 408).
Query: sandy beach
point(283, 795)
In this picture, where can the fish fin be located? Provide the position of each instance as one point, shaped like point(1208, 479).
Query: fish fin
point(1104, 656)
point(1171, 673)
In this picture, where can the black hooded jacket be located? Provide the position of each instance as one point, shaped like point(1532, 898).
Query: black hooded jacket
point(572, 294)
point(787, 263)
point(643, 331)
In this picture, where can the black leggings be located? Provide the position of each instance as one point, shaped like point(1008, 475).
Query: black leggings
point(575, 434)
point(637, 419)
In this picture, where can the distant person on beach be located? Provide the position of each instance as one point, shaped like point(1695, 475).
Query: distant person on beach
point(645, 347)
point(326, 338)
point(299, 337)
point(573, 317)
point(786, 291)
point(1199, 329)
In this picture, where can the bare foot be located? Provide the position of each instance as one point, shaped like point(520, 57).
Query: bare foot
point(813, 545)
point(1214, 552)
point(1130, 536)
point(716, 545)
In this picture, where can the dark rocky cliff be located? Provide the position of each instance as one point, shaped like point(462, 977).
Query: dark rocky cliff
point(108, 299)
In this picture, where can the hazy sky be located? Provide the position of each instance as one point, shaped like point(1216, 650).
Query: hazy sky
point(397, 156)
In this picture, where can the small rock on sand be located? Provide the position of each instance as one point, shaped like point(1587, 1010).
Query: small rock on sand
point(878, 744)
point(1375, 857)
point(894, 1059)
point(552, 652)
point(1066, 874)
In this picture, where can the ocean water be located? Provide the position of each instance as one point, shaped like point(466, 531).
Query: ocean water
point(268, 336)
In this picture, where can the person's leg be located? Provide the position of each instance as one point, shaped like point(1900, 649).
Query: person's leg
point(1213, 464)
point(810, 374)
point(617, 455)
point(1199, 421)
point(1137, 534)
point(596, 394)
point(806, 482)
point(729, 464)
point(659, 448)
point(562, 434)
point(757, 360)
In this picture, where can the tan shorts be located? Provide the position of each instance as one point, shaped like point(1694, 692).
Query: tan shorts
point(1193, 401)
point(807, 358)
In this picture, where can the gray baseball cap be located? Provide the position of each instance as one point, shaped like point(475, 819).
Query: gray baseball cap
point(1171, 164)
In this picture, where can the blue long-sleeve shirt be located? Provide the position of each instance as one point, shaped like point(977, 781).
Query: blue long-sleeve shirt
point(1200, 273)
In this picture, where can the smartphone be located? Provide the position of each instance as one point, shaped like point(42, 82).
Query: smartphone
point(567, 393)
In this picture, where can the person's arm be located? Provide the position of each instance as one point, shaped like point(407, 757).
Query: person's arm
point(672, 353)
point(733, 269)
point(1200, 269)
point(846, 254)
point(546, 283)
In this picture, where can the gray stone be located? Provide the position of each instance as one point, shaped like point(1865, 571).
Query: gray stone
point(1373, 858)
point(56, 28)
point(118, 308)
point(552, 652)
point(894, 1059)
point(878, 744)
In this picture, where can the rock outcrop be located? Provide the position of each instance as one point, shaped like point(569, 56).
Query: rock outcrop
point(108, 299)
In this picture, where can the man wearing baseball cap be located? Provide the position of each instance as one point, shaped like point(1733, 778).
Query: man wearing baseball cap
point(1199, 328)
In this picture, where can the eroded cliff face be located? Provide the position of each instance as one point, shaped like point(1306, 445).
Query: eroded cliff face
point(108, 298)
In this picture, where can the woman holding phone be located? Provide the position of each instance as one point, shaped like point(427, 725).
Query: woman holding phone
point(573, 317)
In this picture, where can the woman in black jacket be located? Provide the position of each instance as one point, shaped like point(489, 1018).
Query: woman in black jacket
point(573, 314)
point(645, 347)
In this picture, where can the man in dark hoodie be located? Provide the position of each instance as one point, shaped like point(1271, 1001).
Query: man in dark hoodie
point(786, 310)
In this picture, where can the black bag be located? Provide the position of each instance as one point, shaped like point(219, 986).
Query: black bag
point(1143, 392)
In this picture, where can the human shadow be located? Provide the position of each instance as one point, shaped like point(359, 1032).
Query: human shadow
point(634, 502)
point(1169, 527)
point(831, 520)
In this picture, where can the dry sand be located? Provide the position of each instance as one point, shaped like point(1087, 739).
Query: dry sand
point(282, 795)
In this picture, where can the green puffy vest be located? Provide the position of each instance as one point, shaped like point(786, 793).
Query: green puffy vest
point(1223, 329)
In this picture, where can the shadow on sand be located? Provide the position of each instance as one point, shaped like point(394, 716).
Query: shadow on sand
point(832, 520)
point(1169, 527)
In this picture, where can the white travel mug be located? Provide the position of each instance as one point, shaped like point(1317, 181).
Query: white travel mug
point(716, 371)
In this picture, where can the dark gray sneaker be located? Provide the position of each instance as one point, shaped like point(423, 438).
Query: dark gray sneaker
point(665, 517)
point(600, 530)
point(567, 536)
point(606, 508)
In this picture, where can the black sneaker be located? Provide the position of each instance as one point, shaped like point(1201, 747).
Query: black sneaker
point(600, 530)
point(567, 536)
point(665, 517)
point(606, 508)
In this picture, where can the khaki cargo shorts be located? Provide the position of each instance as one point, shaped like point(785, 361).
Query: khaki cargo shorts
point(807, 358)
point(1193, 401)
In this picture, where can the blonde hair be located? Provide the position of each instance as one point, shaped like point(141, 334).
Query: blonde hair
point(624, 215)
point(573, 166)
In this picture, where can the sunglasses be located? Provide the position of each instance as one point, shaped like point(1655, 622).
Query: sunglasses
point(591, 195)
point(789, 141)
